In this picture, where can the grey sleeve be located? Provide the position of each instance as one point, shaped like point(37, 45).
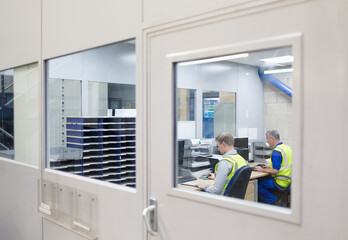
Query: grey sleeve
point(224, 168)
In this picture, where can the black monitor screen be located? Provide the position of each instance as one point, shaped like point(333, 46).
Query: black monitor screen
point(241, 142)
point(181, 144)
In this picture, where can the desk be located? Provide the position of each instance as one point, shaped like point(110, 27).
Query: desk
point(251, 192)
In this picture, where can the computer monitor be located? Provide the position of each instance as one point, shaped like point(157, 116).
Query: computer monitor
point(241, 142)
point(181, 145)
point(241, 145)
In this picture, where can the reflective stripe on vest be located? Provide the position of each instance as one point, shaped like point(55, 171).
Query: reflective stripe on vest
point(237, 162)
point(285, 167)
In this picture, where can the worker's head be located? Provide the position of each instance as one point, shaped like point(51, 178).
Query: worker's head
point(224, 142)
point(272, 137)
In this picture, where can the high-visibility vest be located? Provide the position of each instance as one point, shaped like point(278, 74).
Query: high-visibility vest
point(285, 167)
point(237, 162)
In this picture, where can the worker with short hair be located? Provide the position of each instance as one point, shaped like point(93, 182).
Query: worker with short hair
point(280, 168)
point(225, 169)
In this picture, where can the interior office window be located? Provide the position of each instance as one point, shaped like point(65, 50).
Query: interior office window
point(19, 104)
point(219, 113)
point(186, 100)
point(91, 113)
point(6, 114)
point(244, 94)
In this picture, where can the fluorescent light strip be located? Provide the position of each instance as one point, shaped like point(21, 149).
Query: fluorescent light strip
point(283, 59)
point(216, 59)
point(279, 71)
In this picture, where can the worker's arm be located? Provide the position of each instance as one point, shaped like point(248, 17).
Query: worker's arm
point(223, 169)
point(267, 169)
point(276, 162)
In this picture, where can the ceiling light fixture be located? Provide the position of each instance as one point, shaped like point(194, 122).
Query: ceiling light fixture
point(283, 59)
point(285, 70)
point(216, 59)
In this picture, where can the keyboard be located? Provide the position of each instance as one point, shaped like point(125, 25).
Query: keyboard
point(186, 179)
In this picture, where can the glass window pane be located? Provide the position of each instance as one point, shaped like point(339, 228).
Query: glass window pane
point(186, 125)
point(6, 114)
point(239, 97)
point(19, 115)
point(218, 113)
point(186, 101)
point(91, 113)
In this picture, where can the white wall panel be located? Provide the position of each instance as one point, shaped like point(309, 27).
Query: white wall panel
point(19, 218)
point(165, 9)
point(20, 32)
point(53, 231)
point(119, 208)
point(70, 26)
point(157, 12)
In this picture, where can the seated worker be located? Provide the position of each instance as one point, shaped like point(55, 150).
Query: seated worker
point(280, 165)
point(226, 167)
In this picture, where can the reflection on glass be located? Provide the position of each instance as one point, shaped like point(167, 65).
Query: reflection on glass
point(243, 94)
point(19, 114)
point(91, 113)
point(6, 114)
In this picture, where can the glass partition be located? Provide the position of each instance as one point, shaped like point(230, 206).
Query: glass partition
point(91, 113)
point(19, 114)
point(186, 113)
point(6, 114)
point(186, 101)
point(219, 113)
point(244, 96)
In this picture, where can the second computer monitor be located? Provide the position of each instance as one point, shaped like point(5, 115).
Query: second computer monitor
point(241, 142)
point(241, 145)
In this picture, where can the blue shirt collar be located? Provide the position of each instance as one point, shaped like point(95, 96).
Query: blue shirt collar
point(278, 144)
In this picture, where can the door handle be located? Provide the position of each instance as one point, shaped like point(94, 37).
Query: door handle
point(150, 216)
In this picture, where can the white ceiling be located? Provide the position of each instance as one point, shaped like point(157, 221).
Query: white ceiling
point(254, 57)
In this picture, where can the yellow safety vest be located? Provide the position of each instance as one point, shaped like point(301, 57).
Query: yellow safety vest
point(285, 167)
point(237, 162)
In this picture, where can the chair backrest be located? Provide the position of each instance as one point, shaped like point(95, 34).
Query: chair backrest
point(238, 184)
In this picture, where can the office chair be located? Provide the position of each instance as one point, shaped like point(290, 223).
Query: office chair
point(283, 193)
point(238, 184)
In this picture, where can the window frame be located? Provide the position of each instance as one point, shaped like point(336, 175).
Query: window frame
point(67, 178)
point(292, 215)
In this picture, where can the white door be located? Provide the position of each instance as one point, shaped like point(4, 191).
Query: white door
point(264, 35)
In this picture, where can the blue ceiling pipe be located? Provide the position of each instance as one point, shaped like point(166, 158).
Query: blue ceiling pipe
point(276, 82)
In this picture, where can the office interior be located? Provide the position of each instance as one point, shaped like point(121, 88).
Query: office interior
point(240, 94)
point(133, 77)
